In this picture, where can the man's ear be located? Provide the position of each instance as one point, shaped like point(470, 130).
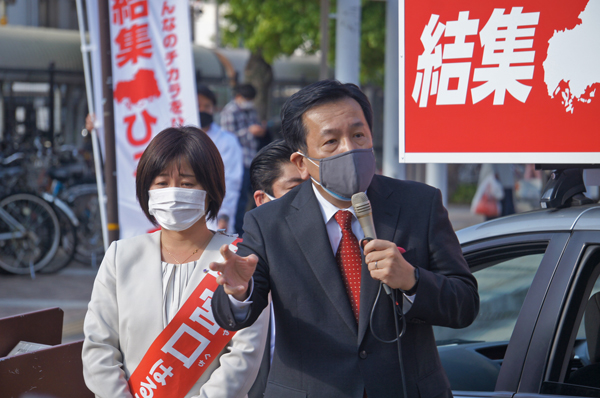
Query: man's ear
point(300, 162)
point(260, 198)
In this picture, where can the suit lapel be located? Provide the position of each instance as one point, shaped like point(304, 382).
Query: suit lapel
point(385, 217)
point(306, 223)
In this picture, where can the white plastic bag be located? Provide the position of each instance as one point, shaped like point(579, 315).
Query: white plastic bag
point(487, 197)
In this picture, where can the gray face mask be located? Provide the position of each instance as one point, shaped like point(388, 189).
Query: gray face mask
point(345, 174)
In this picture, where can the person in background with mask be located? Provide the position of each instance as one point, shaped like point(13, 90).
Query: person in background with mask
point(272, 175)
point(240, 117)
point(149, 328)
point(231, 152)
point(335, 324)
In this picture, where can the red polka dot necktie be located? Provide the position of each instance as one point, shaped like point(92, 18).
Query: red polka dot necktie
point(349, 260)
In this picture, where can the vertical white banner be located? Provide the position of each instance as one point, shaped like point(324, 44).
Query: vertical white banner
point(154, 88)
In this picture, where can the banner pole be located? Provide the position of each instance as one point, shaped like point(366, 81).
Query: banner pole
point(110, 163)
point(85, 48)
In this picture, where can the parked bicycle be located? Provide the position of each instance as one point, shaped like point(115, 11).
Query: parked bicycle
point(57, 177)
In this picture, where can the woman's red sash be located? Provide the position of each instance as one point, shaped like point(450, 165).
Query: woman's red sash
point(184, 349)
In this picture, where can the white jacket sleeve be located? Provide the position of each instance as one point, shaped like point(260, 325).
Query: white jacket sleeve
point(102, 359)
point(239, 367)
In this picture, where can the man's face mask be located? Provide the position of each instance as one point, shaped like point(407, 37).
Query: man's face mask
point(206, 119)
point(245, 104)
point(345, 174)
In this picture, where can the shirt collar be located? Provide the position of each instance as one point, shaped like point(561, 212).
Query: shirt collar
point(213, 130)
point(328, 209)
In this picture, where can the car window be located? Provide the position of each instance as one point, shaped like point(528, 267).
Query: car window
point(472, 356)
point(581, 332)
point(502, 290)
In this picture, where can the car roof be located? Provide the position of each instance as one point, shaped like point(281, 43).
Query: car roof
point(546, 220)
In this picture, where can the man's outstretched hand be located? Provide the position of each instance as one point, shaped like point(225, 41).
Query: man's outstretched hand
point(235, 272)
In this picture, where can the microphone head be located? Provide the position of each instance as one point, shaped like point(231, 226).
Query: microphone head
point(361, 204)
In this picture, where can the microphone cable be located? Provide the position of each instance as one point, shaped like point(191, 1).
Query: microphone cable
point(397, 311)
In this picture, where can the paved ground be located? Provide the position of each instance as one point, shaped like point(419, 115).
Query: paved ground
point(70, 289)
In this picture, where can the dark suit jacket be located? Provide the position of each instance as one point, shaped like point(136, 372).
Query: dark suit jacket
point(320, 351)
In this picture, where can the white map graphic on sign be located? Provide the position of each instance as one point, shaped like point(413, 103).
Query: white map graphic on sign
point(572, 65)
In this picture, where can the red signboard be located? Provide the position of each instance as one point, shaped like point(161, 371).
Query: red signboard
point(501, 81)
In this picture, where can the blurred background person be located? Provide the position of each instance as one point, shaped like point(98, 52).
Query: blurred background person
point(231, 153)
point(144, 281)
point(272, 175)
point(505, 175)
point(240, 117)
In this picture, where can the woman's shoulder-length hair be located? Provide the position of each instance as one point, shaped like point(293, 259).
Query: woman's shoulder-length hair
point(177, 144)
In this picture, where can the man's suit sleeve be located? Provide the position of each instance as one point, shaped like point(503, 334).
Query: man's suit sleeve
point(253, 243)
point(239, 367)
point(447, 291)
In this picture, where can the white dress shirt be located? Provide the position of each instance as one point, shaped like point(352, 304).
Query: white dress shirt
point(231, 152)
point(175, 278)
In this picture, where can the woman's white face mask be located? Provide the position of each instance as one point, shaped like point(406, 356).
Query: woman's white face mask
point(176, 209)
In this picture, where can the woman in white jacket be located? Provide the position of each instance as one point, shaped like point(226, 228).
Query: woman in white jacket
point(143, 281)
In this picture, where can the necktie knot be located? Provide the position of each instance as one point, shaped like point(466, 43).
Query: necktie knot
point(344, 219)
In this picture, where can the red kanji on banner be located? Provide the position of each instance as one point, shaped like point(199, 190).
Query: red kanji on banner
point(168, 24)
point(133, 43)
point(170, 41)
point(167, 10)
point(127, 9)
point(174, 89)
point(149, 120)
point(176, 107)
point(500, 77)
point(172, 75)
point(170, 57)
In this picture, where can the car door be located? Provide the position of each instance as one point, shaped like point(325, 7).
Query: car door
point(513, 272)
point(557, 348)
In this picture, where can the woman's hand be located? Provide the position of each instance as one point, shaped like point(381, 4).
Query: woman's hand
point(235, 272)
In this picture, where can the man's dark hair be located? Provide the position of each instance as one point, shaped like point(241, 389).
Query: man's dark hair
point(245, 90)
point(207, 92)
point(266, 166)
point(319, 93)
point(177, 144)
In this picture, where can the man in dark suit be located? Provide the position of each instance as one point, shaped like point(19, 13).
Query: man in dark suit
point(304, 249)
point(272, 175)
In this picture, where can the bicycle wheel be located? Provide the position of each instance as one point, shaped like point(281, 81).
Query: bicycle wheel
point(29, 233)
point(68, 244)
point(90, 246)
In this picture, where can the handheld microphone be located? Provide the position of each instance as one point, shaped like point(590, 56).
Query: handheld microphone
point(362, 208)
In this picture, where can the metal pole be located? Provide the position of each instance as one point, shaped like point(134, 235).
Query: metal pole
point(85, 49)
point(324, 70)
point(437, 176)
point(347, 46)
point(217, 27)
point(110, 164)
point(391, 123)
point(51, 103)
